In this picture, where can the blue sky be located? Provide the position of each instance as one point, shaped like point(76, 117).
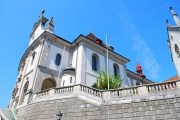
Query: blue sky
point(137, 30)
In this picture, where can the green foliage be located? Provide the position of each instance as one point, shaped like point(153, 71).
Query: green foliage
point(102, 81)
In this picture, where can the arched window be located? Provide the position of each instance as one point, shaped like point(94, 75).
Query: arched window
point(116, 69)
point(25, 88)
point(58, 59)
point(95, 62)
point(48, 83)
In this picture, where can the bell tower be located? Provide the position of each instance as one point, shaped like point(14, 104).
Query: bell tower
point(174, 40)
point(139, 70)
point(43, 24)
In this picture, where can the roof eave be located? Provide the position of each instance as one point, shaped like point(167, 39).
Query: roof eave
point(78, 39)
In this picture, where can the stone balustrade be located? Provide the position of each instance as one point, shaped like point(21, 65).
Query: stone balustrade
point(124, 92)
point(61, 90)
point(43, 93)
point(108, 95)
point(161, 86)
point(91, 91)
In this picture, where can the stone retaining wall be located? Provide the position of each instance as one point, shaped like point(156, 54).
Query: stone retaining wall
point(77, 109)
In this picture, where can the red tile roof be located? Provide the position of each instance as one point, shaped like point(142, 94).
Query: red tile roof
point(94, 38)
point(175, 78)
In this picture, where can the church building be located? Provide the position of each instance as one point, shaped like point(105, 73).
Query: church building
point(55, 74)
point(51, 61)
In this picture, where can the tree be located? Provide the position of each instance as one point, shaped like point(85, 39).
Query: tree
point(102, 81)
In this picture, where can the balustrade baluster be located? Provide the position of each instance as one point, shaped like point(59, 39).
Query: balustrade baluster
point(168, 85)
point(158, 88)
point(175, 84)
point(117, 92)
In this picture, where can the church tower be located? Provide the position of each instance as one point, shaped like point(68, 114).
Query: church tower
point(174, 40)
point(40, 68)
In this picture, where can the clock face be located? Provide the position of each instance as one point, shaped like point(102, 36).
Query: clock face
point(177, 50)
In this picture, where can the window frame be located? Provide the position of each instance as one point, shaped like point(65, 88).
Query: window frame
point(70, 79)
point(58, 60)
point(95, 62)
point(116, 69)
point(33, 58)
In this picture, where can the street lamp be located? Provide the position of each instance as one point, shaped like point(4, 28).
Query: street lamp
point(59, 115)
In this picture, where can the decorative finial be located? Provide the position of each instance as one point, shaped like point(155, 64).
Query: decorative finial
point(52, 21)
point(137, 61)
point(90, 30)
point(110, 42)
point(175, 16)
point(171, 8)
point(167, 21)
point(42, 14)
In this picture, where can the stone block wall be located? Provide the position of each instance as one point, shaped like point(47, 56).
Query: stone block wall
point(77, 109)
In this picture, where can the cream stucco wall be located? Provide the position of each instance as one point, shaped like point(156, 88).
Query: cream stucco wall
point(174, 38)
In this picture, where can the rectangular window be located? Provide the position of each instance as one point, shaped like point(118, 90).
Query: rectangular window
point(63, 83)
point(33, 57)
point(70, 79)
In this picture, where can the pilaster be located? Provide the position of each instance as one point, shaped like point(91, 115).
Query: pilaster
point(81, 64)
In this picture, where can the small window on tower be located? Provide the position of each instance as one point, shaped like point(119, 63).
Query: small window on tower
point(70, 79)
point(33, 57)
point(177, 50)
point(63, 83)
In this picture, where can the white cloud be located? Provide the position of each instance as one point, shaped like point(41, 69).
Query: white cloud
point(146, 57)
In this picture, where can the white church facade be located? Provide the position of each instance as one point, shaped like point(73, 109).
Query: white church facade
point(53, 70)
point(51, 61)
point(174, 41)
